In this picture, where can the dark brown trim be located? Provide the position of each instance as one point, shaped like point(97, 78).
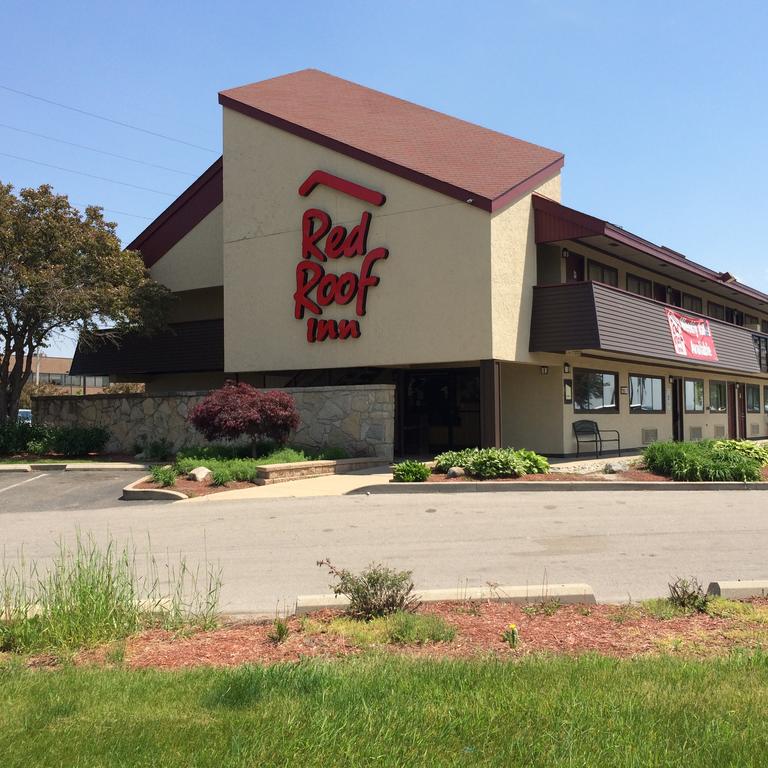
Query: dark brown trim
point(182, 215)
point(443, 187)
point(490, 404)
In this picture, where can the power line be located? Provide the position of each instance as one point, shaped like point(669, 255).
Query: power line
point(105, 119)
point(89, 175)
point(93, 149)
point(112, 210)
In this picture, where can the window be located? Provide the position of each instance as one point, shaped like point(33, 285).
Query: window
point(765, 399)
point(639, 285)
point(694, 395)
point(734, 316)
point(764, 326)
point(752, 321)
point(595, 392)
point(761, 351)
point(718, 397)
point(646, 394)
point(716, 310)
point(602, 274)
point(753, 398)
point(692, 303)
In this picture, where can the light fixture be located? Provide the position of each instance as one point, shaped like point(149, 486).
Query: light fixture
point(566, 368)
point(544, 370)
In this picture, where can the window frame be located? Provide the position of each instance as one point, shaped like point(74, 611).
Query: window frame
point(685, 396)
point(641, 280)
point(641, 411)
point(711, 314)
point(752, 388)
point(603, 267)
point(724, 385)
point(613, 410)
point(765, 398)
point(700, 310)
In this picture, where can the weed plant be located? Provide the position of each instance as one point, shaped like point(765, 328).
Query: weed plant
point(91, 595)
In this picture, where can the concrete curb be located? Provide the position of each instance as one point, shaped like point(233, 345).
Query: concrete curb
point(15, 468)
point(563, 593)
point(738, 590)
point(132, 493)
point(62, 466)
point(496, 486)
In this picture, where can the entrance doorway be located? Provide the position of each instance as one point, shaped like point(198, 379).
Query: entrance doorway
point(678, 409)
point(737, 411)
point(439, 410)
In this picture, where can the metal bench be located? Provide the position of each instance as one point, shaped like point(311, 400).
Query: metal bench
point(588, 432)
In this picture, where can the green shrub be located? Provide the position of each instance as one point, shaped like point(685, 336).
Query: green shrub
point(702, 461)
point(533, 462)
point(163, 475)
point(749, 449)
point(418, 629)
point(410, 471)
point(157, 449)
point(375, 591)
point(493, 463)
point(331, 453)
point(36, 447)
point(221, 475)
point(444, 461)
point(78, 441)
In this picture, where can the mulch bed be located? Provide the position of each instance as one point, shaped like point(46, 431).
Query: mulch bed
point(192, 488)
point(611, 630)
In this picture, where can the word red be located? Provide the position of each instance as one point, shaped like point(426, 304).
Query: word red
point(316, 288)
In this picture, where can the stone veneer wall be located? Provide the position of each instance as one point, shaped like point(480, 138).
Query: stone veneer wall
point(359, 419)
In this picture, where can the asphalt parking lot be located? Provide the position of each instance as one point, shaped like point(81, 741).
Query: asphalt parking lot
point(62, 491)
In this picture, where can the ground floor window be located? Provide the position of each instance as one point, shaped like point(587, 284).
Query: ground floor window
point(646, 394)
point(718, 398)
point(753, 398)
point(595, 391)
point(694, 395)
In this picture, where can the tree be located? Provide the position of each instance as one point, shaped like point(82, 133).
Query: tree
point(63, 270)
point(238, 410)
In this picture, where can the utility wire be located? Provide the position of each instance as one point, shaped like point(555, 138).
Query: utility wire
point(93, 149)
point(106, 119)
point(89, 175)
point(111, 210)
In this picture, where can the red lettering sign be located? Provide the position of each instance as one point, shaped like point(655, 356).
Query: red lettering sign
point(320, 241)
point(691, 336)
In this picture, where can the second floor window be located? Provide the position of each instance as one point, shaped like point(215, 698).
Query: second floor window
point(639, 285)
point(692, 303)
point(600, 273)
point(716, 310)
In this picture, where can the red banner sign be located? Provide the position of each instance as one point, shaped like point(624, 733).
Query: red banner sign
point(691, 336)
point(323, 243)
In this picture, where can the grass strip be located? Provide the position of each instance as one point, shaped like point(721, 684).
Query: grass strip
point(373, 710)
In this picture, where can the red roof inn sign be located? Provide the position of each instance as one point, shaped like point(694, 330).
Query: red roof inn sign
point(691, 337)
point(316, 288)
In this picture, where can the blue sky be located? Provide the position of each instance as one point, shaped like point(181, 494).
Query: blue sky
point(660, 108)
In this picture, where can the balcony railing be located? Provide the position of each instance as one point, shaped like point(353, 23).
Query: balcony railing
point(594, 316)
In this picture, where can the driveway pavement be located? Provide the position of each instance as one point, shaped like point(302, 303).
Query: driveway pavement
point(59, 491)
point(626, 545)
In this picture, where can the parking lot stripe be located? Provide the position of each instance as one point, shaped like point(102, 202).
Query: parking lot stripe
point(28, 480)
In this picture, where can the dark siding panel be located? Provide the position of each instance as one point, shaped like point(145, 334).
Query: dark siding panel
point(184, 348)
point(563, 317)
point(596, 316)
point(632, 324)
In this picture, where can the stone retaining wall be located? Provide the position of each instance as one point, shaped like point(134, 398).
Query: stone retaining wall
point(359, 419)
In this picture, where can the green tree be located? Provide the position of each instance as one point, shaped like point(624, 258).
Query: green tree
point(63, 270)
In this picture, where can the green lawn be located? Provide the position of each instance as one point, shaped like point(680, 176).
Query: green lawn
point(371, 710)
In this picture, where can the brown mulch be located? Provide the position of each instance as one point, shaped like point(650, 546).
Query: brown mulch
point(612, 630)
point(192, 488)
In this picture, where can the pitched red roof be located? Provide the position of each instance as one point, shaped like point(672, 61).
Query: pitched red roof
point(452, 156)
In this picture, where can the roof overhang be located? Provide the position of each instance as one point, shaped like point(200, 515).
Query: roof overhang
point(557, 223)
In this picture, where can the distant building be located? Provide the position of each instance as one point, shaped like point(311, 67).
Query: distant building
point(55, 371)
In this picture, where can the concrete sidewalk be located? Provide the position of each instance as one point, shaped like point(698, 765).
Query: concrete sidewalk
point(325, 485)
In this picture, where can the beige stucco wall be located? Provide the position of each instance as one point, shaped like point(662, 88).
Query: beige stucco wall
point(196, 260)
point(433, 301)
point(514, 273)
point(534, 415)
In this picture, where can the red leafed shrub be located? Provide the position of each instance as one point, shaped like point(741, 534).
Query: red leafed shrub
point(238, 410)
